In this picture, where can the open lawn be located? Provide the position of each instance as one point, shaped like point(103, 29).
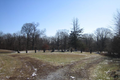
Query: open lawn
point(63, 65)
point(5, 51)
point(58, 59)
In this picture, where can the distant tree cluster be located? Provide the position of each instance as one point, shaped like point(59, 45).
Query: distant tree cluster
point(30, 38)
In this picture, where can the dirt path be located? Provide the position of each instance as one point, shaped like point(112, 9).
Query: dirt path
point(31, 69)
point(65, 74)
point(57, 75)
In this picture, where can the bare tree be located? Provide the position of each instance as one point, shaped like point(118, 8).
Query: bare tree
point(8, 41)
point(101, 36)
point(18, 41)
point(28, 29)
point(35, 34)
point(1, 39)
point(88, 41)
point(52, 42)
point(27, 40)
point(58, 39)
point(65, 37)
point(62, 39)
point(117, 23)
point(116, 39)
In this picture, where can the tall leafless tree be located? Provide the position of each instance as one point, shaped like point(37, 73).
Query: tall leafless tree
point(116, 39)
point(28, 29)
point(117, 23)
point(88, 41)
point(101, 36)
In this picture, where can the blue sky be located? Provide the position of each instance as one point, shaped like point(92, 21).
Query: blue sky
point(53, 15)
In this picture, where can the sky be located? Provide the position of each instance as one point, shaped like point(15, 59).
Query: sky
point(54, 15)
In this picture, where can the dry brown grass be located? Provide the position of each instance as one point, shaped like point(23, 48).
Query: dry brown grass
point(5, 51)
point(103, 70)
point(58, 59)
point(30, 66)
point(22, 66)
point(8, 65)
point(19, 67)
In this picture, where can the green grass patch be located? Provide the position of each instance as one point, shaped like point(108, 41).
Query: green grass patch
point(58, 58)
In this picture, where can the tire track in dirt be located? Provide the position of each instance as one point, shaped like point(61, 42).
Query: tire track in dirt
point(65, 74)
point(31, 69)
point(85, 73)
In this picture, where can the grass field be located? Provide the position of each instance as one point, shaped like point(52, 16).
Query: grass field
point(26, 66)
point(6, 51)
point(58, 59)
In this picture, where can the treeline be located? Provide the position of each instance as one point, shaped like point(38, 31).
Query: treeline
point(30, 38)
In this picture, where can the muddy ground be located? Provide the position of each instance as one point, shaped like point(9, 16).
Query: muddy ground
point(33, 69)
point(66, 74)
